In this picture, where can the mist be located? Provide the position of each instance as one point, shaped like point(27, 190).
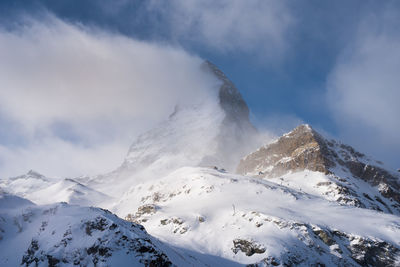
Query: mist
point(363, 88)
point(74, 98)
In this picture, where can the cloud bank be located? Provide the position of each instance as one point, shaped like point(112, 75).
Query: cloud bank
point(364, 88)
point(256, 27)
point(74, 97)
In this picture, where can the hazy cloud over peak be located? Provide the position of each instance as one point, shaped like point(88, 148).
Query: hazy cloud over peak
point(71, 90)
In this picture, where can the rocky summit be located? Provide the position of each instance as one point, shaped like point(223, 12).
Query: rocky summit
point(305, 149)
point(301, 149)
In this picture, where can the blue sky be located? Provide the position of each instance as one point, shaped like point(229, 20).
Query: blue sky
point(334, 65)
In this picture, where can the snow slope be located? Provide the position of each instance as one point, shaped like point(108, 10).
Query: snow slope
point(65, 235)
point(187, 138)
point(26, 184)
point(250, 220)
point(42, 190)
point(70, 191)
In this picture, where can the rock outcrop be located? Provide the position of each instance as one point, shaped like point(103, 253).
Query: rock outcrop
point(302, 148)
point(305, 149)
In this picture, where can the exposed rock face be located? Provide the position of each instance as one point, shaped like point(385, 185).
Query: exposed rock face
point(230, 99)
point(353, 250)
point(247, 247)
point(300, 149)
point(236, 131)
point(305, 149)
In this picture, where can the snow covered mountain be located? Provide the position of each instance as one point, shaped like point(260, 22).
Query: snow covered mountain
point(214, 131)
point(252, 220)
point(305, 159)
point(42, 190)
point(26, 184)
point(302, 200)
point(65, 235)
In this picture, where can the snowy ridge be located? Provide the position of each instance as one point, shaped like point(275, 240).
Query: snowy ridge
point(42, 190)
point(26, 184)
point(61, 234)
point(70, 191)
point(249, 220)
point(10, 202)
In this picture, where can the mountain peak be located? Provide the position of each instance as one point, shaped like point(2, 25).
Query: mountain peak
point(230, 99)
point(31, 174)
point(301, 131)
point(305, 149)
point(215, 132)
point(303, 128)
point(301, 148)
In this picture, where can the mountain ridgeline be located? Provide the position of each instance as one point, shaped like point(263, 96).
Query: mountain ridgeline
point(210, 192)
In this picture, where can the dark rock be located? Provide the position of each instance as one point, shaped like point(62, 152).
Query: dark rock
point(229, 96)
point(324, 236)
point(99, 224)
point(52, 261)
point(374, 253)
point(247, 247)
point(29, 256)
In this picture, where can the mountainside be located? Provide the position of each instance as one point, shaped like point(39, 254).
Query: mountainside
point(65, 235)
point(26, 184)
point(302, 200)
point(42, 190)
point(350, 176)
point(252, 220)
point(214, 131)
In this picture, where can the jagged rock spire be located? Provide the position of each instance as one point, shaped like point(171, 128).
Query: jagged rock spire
point(230, 99)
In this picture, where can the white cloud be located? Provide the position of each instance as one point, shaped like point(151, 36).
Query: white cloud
point(257, 27)
point(77, 96)
point(364, 88)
